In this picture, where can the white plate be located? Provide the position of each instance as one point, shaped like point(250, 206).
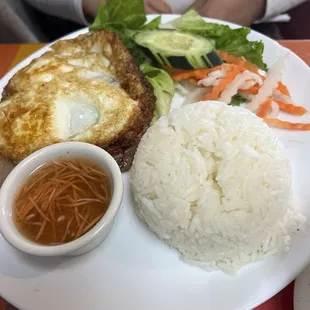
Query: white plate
point(302, 290)
point(134, 270)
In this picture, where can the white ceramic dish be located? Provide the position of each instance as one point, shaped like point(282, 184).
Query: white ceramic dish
point(133, 269)
point(302, 290)
point(12, 184)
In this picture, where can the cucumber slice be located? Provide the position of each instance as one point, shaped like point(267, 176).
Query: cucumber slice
point(179, 50)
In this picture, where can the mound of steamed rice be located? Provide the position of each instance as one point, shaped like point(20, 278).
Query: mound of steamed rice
point(214, 182)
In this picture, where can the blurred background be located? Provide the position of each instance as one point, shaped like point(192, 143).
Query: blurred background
point(33, 21)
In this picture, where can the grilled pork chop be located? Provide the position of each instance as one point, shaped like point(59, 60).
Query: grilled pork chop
point(86, 89)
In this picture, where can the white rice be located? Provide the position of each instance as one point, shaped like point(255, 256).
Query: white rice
point(216, 183)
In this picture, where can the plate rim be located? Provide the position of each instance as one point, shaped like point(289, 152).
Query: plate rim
point(5, 79)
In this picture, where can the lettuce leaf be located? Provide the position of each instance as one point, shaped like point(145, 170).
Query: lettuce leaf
point(237, 44)
point(126, 17)
point(153, 24)
point(117, 15)
point(192, 22)
point(164, 89)
point(233, 41)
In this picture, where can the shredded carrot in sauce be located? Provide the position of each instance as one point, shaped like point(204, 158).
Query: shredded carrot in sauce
point(62, 201)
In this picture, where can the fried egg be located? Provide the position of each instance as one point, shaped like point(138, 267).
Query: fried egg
point(87, 89)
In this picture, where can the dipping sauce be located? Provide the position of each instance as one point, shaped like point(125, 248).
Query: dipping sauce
point(61, 201)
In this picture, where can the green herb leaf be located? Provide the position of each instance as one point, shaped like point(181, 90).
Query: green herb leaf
point(127, 37)
point(119, 15)
point(163, 89)
point(237, 100)
point(233, 41)
point(152, 24)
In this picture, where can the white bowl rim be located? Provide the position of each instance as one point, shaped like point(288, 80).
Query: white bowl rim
point(17, 241)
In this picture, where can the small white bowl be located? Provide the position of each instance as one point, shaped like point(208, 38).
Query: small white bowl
point(17, 177)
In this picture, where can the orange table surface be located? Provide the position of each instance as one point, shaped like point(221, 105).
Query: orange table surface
point(12, 54)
